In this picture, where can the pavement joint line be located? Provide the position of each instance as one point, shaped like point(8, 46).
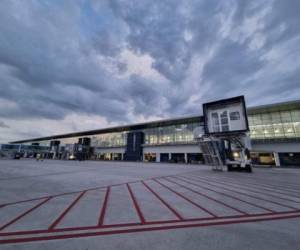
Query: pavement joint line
point(250, 177)
point(42, 175)
point(143, 225)
point(278, 182)
point(104, 207)
point(25, 213)
point(210, 198)
point(12, 239)
point(59, 230)
point(187, 199)
point(264, 185)
point(163, 201)
point(249, 195)
point(268, 188)
point(136, 205)
point(64, 213)
point(228, 195)
point(242, 186)
point(220, 185)
point(87, 189)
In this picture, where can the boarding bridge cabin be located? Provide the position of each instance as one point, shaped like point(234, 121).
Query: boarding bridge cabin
point(225, 140)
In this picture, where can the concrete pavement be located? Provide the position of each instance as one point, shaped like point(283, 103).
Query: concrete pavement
point(116, 205)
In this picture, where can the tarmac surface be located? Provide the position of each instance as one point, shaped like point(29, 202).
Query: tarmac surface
point(123, 205)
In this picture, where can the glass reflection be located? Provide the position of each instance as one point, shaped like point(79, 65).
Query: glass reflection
point(182, 133)
point(281, 124)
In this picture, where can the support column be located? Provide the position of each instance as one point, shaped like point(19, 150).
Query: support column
point(276, 158)
point(157, 157)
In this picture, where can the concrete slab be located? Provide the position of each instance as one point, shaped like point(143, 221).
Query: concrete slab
point(86, 212)
point(183, 207)
point(153, 209)
point(43, 216)
point(216, 210)
point(120, 209)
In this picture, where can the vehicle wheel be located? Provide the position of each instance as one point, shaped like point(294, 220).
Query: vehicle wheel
point(248, 169)
point(229, 168)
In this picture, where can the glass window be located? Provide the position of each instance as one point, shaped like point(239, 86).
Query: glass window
point(109, 140)
point(278, 130)
point(276, 118)
point(288, 130)
point(181, 133)
point(286, 116)
point(283, 124)
point(295, 115)
point(224, 121)
point(234, 116)
point(257, 119)
point(215, 121)
point(266, 119)
point(297, 128)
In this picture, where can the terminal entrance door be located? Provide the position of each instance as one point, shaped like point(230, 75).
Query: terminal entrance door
point(134, 149)
point(164, 157)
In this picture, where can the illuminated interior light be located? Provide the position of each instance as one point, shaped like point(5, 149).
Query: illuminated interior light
point(235, 154)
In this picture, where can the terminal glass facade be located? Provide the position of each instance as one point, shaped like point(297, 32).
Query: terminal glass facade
point(109, 140)
point(18, 147)
point(275, 125)
point(174, 134)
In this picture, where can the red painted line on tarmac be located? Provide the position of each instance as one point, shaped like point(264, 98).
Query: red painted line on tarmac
point(22, 201)
point(163, 201)
point(269, 187)
point(278, 183)
point(162, 228)
point(256, 197)
point(67, 193)
point(76, 192)
point(228, 195)
point(187, 199)
point(208, 197)
point(242, 187)
point(136, 205)
point(25, 213)
point(249, 195)
point(69, 229)
point(274, 191)
point(264, 186)
point(104, 207)
point(63, 214)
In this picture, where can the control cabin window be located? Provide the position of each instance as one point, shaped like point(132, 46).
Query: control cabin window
point(235, 116)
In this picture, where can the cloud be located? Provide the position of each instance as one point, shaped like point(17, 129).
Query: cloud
point(124, 61)
point(3, 125)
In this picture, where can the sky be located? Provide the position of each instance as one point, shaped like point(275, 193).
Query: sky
point(74, 65)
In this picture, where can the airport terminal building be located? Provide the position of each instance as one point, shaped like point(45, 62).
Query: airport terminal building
point(274, 132)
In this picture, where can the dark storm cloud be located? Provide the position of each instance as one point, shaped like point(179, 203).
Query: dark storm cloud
point(62, 57)
point(145, 94)
point(50, 74)
point(234, 61)
point(157, 28)
point(3, 125)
